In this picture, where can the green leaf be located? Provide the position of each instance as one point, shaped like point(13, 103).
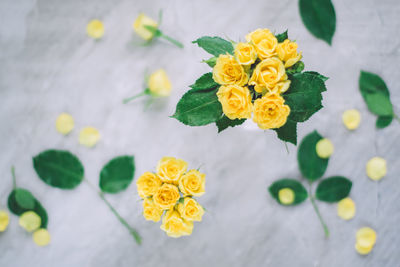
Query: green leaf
point(376, 94)
point(197, 108)
point(20, 200)
point(59, 168)
point(319, 18)
point(282, 36)
point(117, 174)
point(288, 132)
point(383, 121)
point(210, 62)
point(304, 96)
point(299, 191)
point(311, 165)
point(296, 68)
point(322, 77)
point(204, 82)
point(215, 45)
point(225, 122)
point(333, 189)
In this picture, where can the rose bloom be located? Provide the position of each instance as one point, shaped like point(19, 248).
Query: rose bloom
point(151, 211)
point(235, 101)
point(228, 71)
point(159, 84)
point(190, 209)
point(270, 112)
point(193, 183)
point(170, 169)
point(166, 196)
point(148, 184)
point(287, 52)
point(245, 53)
point(264, 42)
point(141, 21)
point(174, 225)
point(270, 76)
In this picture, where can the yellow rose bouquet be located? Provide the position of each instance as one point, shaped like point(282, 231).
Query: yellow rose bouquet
point(261, 78)
point(169, 194)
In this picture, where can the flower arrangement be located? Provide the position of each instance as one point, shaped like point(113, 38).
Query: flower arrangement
point(261, 78)
point(169, 193)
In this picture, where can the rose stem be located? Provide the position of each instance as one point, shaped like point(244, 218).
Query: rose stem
point(126, 100)
point(172, 40)
point(13, 177)
point(132, 231)
point(312, 198)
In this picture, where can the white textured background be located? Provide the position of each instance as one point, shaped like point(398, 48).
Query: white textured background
point(48, 65)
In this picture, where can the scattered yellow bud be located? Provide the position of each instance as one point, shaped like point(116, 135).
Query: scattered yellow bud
point(365, 240)
point(30, 221)
point(346, 209)
point(286, 196)
point(159, 84)
point(376, 168)
point(139, 26)
point(351, 119)
point(41, 237)
point(95, 29)
point(4, 220)
point(89, 136)
point(363, 250)
point(64, 123)
point(324, 148)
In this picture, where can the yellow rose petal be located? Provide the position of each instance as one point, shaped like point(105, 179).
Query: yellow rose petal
point(89, 136)
point(64, 123)
point(286, 196)
point(41, 237)
point(365, 237)
point(139, 26)
point(376, 168)
point(95, 29)
point(346, 209)
point(4, 220)
point(30, 221)
point(363, 250)
point(324, 148)
point(351, 119)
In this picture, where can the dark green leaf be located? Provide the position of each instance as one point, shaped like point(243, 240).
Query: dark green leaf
point(225, 122)
point(319, 18)
point(333, 189)
point(299, 190)
point(215, 45)
point(304, 96)
point(311, 166)
point(117, 174)
point(322, 77)
point(282, 36)
point(17, 207)
point(197, 108)
point(204, 82)
point(296, 68)
point(59, 168)
point(383, 121)
point(376, 94)
point(288, 132)
point(210, 62)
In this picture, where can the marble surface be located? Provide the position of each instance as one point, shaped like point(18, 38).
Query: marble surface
point(48, 65)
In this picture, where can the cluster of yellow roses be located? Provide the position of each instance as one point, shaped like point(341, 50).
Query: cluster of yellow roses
point(256, 71)
point(170, 191)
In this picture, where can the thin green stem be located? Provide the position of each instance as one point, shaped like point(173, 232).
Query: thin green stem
point(126, 100)
point(13, 177)
point(172, 40)
point(312, 198)
point(131, 230)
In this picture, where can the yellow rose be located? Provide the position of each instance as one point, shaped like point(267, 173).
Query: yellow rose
point(95, 29)
point(235, 101)
point(270, 112)
point(245, 53)
point(170, 169)
point(166, 196)
point(174, 225)
point(151, 211)
point(148, 184)
point(159, 84)
point(228, 71)
point(193, 183)
point(287, 52)
point(4, 220)
point(270, 75)
point(139, 26)
point(264, 42)
point(191, 210)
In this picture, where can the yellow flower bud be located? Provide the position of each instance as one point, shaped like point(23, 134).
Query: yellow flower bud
point(41, 237)
point(351, 119)
point(30, 221)
point(139, 26)
point(159, 84)
point(324, 148)
point(376, 168)
point(64, 123)
point(148, 184)
point(190, 209)
point(170, 169)
point(346, 209)
point(89, 136)
point(264, 42)
point(4, 220)
point(151, 211)
point(95, 29)
point(192, 183)
point(286, 196)
point(366, 237)
point(287, 52)
point(174, 225)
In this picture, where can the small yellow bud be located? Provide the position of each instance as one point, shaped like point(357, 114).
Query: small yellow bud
point(324, 148)
point(159, 84)
point(30, 221)
point(346, 209)
point(351, 119)
point(89, 136)
point(139, 26)
point(376, 168)
point(286, 196)
point(95, 29)
point(64, 123)
point(41, 237)
point(4, 220)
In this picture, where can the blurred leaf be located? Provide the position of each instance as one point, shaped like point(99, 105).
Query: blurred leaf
point(298, 189)
point(204, 82)
point(225, 122)
point(383, 121)
point(288, 132)
point(215, 45)
point(117, 174)
point(282, 36)
point(333, 189)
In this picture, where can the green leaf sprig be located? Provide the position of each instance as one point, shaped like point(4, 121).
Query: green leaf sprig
point(312, 167)
point(62, 169)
